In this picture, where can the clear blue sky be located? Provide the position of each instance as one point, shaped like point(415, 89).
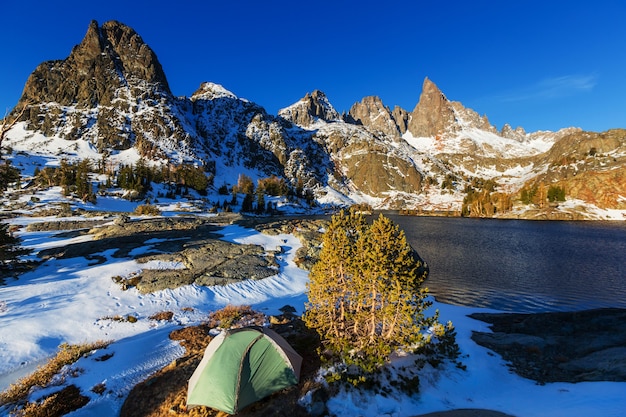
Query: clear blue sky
point(539, 64)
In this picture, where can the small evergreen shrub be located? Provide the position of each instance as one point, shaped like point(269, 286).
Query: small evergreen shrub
point(147, 210)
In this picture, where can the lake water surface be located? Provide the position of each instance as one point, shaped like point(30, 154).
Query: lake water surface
point(523, 266)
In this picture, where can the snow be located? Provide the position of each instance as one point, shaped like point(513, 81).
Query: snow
point(72, 300)
point(491, 144)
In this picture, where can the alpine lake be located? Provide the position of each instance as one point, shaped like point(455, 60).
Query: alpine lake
point(521, 265)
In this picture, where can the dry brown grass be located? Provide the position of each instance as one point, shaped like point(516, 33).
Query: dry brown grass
point(57, 404)
point(66, 355)
point(126, 283)
point(128, 318)
point(162, 316)
point(236, 316)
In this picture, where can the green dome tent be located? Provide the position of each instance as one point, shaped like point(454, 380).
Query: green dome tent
point(241, 366)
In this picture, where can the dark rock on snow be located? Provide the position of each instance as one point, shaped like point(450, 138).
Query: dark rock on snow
point(575, 346)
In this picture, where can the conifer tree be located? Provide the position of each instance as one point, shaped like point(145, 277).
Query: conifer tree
point(8, 174)
point(389, 294)
point(366, 298)
point(9, 250)
point(329, 308)
point(247, 203)
point(84, 190)
point(68, 176)
point(260, 200)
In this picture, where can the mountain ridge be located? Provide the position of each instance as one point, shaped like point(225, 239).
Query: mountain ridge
point(112, 96)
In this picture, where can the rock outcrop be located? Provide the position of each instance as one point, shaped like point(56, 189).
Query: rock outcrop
point(575, 346)
point(401, 117)
point(192, 242)
point(508, 132)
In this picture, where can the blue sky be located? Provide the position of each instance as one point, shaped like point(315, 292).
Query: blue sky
point(539, 64)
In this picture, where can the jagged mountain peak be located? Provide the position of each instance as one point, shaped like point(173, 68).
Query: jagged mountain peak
point(433, 115)
point(312, 108)
point(109, 57)
point(137, 58)
point(508, 132)
point(429, 87)
point(374, 115)
point(111, 92)
point(211, 91)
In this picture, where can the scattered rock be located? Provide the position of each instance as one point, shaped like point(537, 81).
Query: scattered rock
point(64, 225)
point(195, 243)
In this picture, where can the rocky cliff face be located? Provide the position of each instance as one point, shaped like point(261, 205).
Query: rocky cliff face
point(236, 132)
point(589, 166)
point(110, 91)
point(109, 57)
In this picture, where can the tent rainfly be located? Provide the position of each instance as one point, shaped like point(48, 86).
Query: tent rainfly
point(242, 366)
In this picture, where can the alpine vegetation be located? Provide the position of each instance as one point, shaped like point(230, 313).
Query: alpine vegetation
point(367, 302)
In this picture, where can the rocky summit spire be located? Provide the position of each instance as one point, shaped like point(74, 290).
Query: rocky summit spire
point(433, 114)
point(373, 114)
point(108, 58)
point(310, 109)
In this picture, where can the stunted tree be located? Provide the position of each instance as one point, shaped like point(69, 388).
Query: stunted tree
point(8, 174)
point(390, 299)
point(7, 124)
point(366, 298)
point(245, 184)
point(84, 189)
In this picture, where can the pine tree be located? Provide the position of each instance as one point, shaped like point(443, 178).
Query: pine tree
point(9, 250)
point(260, 200)
point(245, 184)
point(68, 176)
point(389, 279)
point(366, 298)
point(8, 174)
point(329, 307)
point(247, 203)
point(84, 190)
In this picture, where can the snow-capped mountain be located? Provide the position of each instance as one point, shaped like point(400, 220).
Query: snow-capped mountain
point(110, 99)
